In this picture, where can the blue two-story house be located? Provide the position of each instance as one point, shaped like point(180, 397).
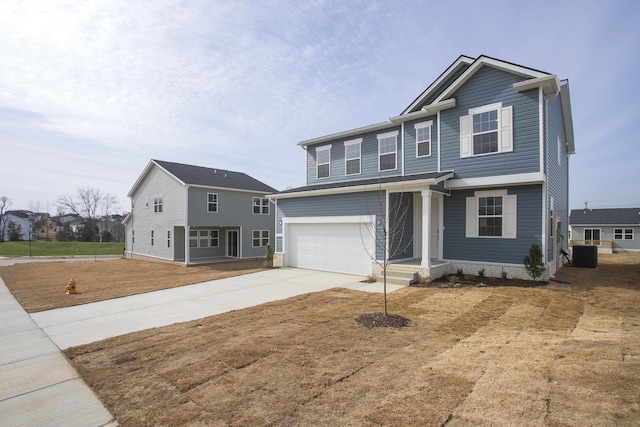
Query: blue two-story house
point(467, 177)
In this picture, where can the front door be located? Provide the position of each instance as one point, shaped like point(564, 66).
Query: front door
point(232, 243)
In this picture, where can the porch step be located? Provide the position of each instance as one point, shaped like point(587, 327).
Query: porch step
point(398, 278)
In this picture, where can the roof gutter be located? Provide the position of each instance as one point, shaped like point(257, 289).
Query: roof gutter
point(426, 111)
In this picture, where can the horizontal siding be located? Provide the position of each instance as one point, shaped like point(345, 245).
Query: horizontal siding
point(557, 172)
point(529, 229)
point(369, 159)
point(416, 165)
point(358, 204)
point(489, 86)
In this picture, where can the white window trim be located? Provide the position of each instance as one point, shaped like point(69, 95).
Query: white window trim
point(217, 245)
point(216, 203)
point(623, 233)
point(319, 149)
point(423, 125)
point(260, 205)
point(260, 238)
point(584, 237)
point(381, 136)
point(509, 214)
point(504, 130)
point(158, 204)
point(359, 158)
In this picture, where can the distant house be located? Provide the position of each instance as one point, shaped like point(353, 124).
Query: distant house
point(480, 160)
point(39, 223)
point(616, 229)
point(192, 214)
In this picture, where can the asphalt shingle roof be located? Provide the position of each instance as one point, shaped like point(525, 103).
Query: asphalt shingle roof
point(622, 216)
point(211, 177)
point(372, 181)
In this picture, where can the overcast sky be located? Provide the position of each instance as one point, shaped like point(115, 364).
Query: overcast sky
point(90, 91)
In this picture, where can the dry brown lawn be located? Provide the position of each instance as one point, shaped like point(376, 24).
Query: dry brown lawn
point(41, 286)
point(562, 355)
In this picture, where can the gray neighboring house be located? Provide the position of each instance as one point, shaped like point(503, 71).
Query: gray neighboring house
point(612, 230)
point(196, 214)
point(481, 159)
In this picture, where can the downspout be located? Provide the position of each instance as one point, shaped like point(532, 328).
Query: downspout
point(545, 187)
point(402, 145)
point(438, 130)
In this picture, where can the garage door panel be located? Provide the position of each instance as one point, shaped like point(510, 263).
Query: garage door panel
point(338, 247)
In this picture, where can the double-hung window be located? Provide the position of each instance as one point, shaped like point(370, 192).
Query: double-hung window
point(486, 130)
point(323, 162)
point(212, 202)
point(157, 204)
point(623, 234)
point(168, 238)
point(352, 156)
point(388, 151)
point(423, 138)
point(260, 205)
point(152, 237)
point(215, 239)
point(260, 238)
point(492, 214)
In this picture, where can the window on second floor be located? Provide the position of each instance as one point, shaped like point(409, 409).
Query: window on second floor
point(212, 202)
point(323, 162)
point(486, 130)
point(388, 151)
point(352, 156)
point(261, 205)
point(157, 204)
point(423, 138)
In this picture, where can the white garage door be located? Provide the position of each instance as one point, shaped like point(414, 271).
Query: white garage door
point(338, 247)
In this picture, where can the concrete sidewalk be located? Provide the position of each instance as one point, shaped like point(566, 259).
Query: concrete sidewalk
point(38, 387)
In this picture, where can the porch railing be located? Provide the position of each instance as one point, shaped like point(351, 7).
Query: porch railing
point(605, 244)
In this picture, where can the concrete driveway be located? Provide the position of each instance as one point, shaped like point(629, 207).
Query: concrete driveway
point(39, 387)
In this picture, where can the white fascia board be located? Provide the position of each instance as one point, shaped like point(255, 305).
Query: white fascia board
point(565, 100)
point(345, 134)
point(549, 84)
point(406, 185)
point(435, 84)
point(493, 181)
point(429, 110)
point(495, 63)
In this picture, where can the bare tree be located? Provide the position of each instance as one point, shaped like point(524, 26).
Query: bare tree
point(109, 204)
point(389, 236)
point(87, 203)
point(5, 204)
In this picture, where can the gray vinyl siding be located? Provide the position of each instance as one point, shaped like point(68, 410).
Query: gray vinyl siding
point(487, 86)
point(235, 211)
point(144, 219)
point(512, 251)
point(607, 232)
point(353, 204)
point(557, 173)
point(368, 159)
point(413, 164)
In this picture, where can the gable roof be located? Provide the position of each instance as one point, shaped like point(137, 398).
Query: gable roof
point(617, 216)
point(206, 177)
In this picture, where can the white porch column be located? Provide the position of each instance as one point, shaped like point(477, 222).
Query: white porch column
point(186, 245)
point(426, 228)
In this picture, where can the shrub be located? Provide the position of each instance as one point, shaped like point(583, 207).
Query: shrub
point(481, 273)
point(533, 262)
point(268, 257)
point(459, 272)
point(503, 275)
point(445, 275)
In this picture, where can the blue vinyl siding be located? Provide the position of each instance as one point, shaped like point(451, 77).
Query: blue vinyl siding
point(368, 162)
point(557, 175)
point(512, 251)
point(489, 86)
point(413, 164)
point(357, 204)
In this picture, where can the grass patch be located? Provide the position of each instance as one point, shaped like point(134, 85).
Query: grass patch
point(60, 248)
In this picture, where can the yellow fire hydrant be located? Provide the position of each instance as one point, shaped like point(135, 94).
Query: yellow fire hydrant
point(71, 287)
